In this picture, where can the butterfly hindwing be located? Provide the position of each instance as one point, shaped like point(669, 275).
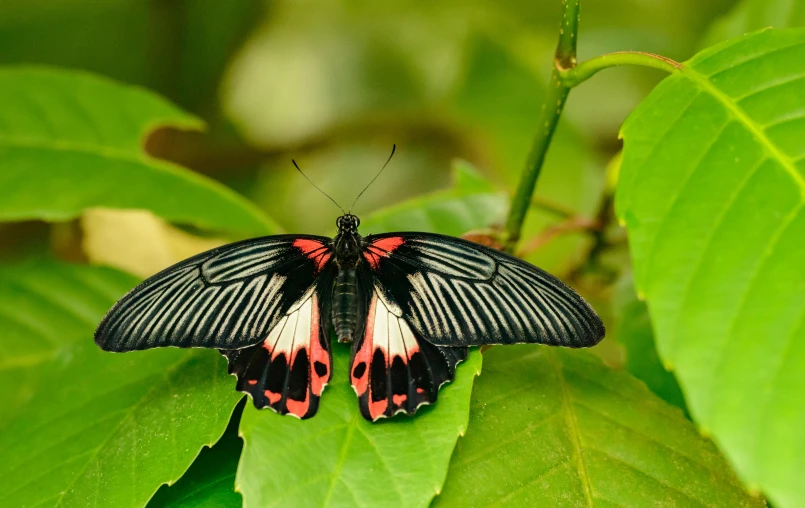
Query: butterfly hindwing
point(288, 370)
point(392, 368)
point(227, 298)
point(459, 293)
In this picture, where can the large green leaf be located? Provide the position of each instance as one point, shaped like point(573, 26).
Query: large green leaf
point(84, 427)
point(339, 459)
point(711, 191)
point(555, 427)
point(70, 140)
point(471, 203)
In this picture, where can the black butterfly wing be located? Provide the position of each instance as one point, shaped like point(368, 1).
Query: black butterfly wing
point(393, 369)
point(227, 298)
point(458, 293)
point(263, 302)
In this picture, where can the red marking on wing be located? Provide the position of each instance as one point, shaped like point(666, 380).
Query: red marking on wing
point(420, 390)
point(376, 409)
point(273, 397)
point(317, 353)
point(314, 250)
point(298, 407)
point(381, 248)
point(399, 399)
point(364, 354)
point(372, 258)
point(307, 246)
point(322, 260)
point(252, 382)
point(388, 244)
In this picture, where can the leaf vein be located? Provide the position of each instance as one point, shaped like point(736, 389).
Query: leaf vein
point(570, 415)
point(754, 128)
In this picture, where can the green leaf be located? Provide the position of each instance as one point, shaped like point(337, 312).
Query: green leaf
point(210, 481)
point(339, 459)
point(472, 203)
point(84, 427)
point(633, 331)
point(555, 427)
point(70, 140)
point(711, 192)
point(751, 15)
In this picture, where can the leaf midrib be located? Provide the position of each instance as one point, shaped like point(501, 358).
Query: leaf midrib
point(567, 406)
point(341, 459)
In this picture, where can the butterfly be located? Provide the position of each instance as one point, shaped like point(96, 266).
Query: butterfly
point(410, 303)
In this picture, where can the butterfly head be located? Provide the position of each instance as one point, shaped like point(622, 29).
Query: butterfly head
point(348, 223)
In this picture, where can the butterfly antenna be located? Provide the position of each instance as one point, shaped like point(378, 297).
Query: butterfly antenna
point(316, 186)
point(393, 148)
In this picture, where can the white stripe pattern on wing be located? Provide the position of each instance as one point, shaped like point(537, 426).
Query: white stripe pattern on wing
point(244, 262)
point(510, 304)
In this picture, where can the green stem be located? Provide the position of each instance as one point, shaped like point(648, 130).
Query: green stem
point(565, 57)
point(566, 74)
point(575, 75)
point(555, 97)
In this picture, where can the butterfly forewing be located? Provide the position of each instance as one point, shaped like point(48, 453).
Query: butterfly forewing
point(226, 298)
point(457, 293)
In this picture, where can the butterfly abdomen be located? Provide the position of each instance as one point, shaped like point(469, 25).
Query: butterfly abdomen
point(345, 304)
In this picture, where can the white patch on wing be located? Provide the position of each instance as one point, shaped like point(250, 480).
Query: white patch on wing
point(380, 331)
point(390, 333)
point(292, 332)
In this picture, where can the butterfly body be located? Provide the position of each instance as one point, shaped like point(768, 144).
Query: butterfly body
point(347, 247)
point(410, 303)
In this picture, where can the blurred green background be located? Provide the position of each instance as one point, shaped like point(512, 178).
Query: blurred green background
point(334, 84)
